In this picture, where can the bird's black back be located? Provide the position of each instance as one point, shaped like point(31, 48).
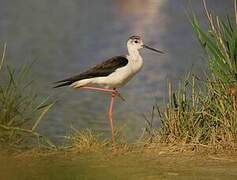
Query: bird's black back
point(103, 69)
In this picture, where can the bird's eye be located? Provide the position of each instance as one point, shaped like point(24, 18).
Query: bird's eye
point(136, 41)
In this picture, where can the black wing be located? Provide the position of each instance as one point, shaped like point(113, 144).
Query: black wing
point(103, 69)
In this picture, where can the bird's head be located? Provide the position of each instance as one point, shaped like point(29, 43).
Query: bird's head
point(136, 43)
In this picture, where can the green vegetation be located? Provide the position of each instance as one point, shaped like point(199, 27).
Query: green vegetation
point(202, 113)
point(21, 110)
point(220, 45)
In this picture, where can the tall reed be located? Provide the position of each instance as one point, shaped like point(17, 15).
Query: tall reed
point(204, 111)
point(21, 110)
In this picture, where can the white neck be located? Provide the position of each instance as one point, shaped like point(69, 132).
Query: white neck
point(135, 59)
point(134, 53)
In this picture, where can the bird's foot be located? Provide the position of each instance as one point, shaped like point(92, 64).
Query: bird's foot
point(116, 93)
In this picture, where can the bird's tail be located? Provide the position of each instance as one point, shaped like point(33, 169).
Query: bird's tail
point(68, 83)
point(74, 84)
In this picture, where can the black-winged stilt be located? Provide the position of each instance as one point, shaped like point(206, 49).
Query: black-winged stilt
point(111, 74)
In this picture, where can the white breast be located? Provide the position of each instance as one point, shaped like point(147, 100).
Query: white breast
point(122, 75)
point(118, 78)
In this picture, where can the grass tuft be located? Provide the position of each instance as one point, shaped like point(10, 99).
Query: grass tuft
point(21, 110)
point(85, 140)
point(202, 113)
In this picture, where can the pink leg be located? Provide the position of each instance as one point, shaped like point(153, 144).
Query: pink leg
point(104, 90)
point(110, 113)
point(111, 117)
point(99, 89)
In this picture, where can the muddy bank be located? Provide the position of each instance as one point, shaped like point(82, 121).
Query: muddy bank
point(68, 165)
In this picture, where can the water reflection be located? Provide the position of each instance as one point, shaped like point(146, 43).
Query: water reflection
point(68, 36)
point(145, 13)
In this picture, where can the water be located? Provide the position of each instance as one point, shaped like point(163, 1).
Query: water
point(65, 37)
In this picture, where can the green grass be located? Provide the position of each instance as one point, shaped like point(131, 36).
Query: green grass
point(202, 112)
point(21, 110)
point(219, 43)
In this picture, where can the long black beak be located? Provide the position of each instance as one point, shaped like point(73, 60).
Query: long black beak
point(158, 51)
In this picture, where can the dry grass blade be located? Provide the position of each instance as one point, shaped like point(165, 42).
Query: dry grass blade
point(205, 111)
point(3, 55)
point(85, 140)
point(235, 11)
point(42, 114)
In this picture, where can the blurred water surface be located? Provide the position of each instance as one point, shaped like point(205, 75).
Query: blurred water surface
point(66, 37)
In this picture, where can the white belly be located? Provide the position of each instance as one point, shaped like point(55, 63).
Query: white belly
point(116, 79)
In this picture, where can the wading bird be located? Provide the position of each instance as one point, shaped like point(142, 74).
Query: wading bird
point(111, 74)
